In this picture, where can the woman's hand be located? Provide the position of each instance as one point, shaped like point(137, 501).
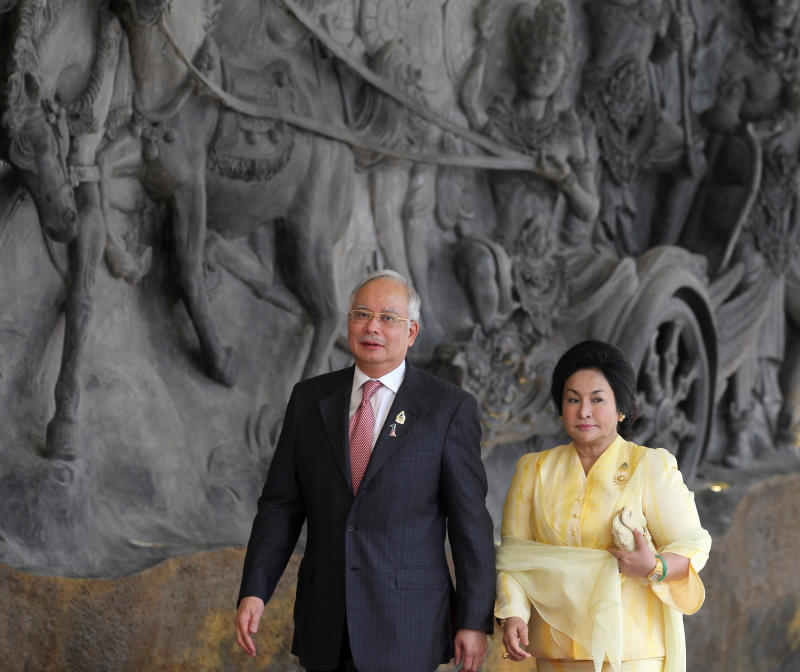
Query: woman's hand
point(637, 563)
point(515, 636)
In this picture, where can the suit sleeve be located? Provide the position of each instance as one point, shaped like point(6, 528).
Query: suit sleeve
point(469, 526)
point(280, 515)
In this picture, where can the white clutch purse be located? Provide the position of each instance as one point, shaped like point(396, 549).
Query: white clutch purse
point(622, 526)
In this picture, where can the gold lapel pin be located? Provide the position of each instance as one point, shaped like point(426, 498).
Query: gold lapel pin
point(621, 477)
point(401, 418)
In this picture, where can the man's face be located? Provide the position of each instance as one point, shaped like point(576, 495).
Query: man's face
point(376, 347)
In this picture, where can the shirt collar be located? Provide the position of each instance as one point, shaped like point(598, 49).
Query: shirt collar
point(392, 380)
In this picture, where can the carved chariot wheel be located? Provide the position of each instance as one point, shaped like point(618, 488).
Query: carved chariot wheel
point(675, 385)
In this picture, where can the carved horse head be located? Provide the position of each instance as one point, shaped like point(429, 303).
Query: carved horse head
point(38, 149)
point(36, 127)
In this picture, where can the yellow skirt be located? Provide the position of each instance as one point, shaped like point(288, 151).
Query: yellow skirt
point(644, 665)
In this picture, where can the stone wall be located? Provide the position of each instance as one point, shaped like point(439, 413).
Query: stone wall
point(751, 617)
point(176, 247)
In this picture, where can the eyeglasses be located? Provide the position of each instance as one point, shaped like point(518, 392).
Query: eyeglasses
point(360, 316)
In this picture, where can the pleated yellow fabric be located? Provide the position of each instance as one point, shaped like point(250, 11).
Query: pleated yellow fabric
point(552, 502)
point(575, 590)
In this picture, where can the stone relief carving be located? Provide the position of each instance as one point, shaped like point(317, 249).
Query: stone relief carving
point(545, 171)
point(518, 271)
point(290, 180)
point(641, 138)
point(57, 149)
point(754, 126)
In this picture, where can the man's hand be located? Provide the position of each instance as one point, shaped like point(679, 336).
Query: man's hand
point(470, 646)
point(247, 618)
point(515, 637)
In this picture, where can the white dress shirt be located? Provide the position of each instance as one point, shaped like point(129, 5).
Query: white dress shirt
point(383, 397)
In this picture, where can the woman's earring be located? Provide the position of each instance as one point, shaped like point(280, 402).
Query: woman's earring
point(621, 417)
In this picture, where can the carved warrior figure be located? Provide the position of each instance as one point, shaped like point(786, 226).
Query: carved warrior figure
point(756, 121)
point(296, 179)
point(516, 277)
point(635, 134)
point(760, 85)
point(61, 106)
point(529, 207)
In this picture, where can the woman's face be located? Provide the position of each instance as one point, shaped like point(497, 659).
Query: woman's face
point(589, 408)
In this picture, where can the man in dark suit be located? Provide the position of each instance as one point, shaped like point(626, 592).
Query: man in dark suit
point(373, 590)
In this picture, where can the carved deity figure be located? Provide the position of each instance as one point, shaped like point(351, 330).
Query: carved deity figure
point(759, 100)
point(637, 136)
point(534, 211)
point(515, 274)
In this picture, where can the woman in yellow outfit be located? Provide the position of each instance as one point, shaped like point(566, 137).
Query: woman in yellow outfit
point(592, 605)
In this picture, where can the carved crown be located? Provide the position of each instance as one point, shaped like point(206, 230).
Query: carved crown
point(543, 27)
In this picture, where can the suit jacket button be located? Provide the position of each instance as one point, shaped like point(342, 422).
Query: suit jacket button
point(350, 528)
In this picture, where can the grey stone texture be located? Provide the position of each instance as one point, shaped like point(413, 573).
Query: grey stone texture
point(189, 189)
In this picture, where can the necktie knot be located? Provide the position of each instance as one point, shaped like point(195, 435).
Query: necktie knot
point(368, 389)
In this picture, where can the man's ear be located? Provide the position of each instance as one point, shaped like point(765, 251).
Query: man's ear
point(413, 331)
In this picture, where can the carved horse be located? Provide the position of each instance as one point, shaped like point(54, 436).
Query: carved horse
point(35, 138)
point(63, 60)
point(300, 182)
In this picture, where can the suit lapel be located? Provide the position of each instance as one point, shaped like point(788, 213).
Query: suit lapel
point(335, 409)
point(394, 434)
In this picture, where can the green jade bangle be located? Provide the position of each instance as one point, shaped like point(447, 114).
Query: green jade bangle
point(664, 571)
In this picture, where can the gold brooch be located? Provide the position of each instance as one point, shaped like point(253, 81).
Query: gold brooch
point(401, 418)
point(622, 476)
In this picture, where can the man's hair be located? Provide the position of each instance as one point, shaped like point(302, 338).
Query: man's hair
point(616, 368)
point(414, 301)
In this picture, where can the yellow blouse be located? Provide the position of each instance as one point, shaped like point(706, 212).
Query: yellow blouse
point(551, 501)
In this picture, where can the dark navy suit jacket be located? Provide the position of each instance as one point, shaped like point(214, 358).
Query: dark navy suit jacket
point(378, 559)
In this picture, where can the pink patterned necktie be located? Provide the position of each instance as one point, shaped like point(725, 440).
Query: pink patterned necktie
point(362, 427)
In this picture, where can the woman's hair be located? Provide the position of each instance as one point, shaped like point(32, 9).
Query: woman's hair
point(616, 368)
